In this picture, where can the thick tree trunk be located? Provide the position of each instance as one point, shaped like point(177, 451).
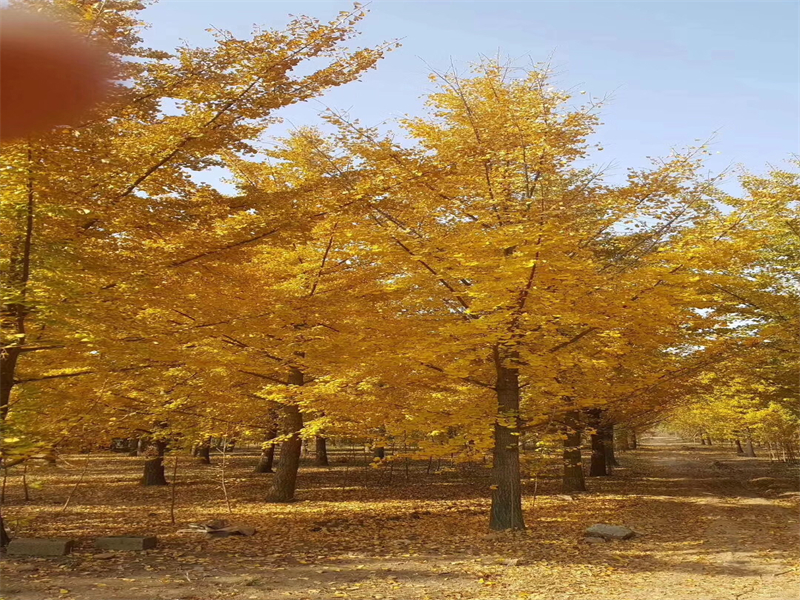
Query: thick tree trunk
point(204, 452)
point(597, 467)
point(739, 449)
point(506, 511)
point(154, 465)
point(267, 452)
point(285, 481)
point(321, 451)
point(608, 446)
point(749, 451)
point(573, 480)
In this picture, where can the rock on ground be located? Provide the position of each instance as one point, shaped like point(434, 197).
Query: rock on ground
point(609, 532)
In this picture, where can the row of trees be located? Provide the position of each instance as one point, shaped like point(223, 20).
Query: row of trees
point(460, 284)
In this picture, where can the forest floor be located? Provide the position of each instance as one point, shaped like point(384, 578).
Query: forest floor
point(705, 531)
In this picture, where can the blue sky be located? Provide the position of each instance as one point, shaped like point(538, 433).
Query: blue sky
point(678, 71)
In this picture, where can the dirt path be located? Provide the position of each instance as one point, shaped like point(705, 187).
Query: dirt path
point(705, 532)
point(715, 526)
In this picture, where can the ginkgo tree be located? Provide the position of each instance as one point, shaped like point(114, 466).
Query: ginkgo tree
point(755, 395)
point(467, 284)
point(94, 212)
point(512, 270)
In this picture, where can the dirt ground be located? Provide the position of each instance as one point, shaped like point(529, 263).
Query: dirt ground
point(705, 531)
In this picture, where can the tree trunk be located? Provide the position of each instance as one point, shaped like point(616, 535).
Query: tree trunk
point(749, 451)
point(788, 451)
point(8, 366)
point(4, 537)
point(267, 452)
point(739, 449)
point(608, 446)
point(141, 447)
point(597, 467)
point(132, 446)
point(634, 440)
point(203, 452)
point(154, 465)
point(702, 441)
point(506, 511)
point(14, 314)
point(572, 480)
point(321, 454)
point(285, 481)
point(708, 440)
point(621, 440)
point(379, 452)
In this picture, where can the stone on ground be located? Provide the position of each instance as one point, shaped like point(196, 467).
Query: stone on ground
point(40, 546)
point(125, 542)
point(610, 532)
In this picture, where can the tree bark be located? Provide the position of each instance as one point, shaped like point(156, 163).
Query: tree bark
point(285, 481)
point(379, 452)
point(749, 451)
point(154, 466)
point(8, 366)
point(634, 440)
point(204, 452)
point(608, 445)
point(597, 466)
point(506, 511)
point(739, 449)
point(267, 452)
point(4, 537)
point(321, 453)
point(573, 480)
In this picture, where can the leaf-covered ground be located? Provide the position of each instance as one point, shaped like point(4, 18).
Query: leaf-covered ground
point(705, 531)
